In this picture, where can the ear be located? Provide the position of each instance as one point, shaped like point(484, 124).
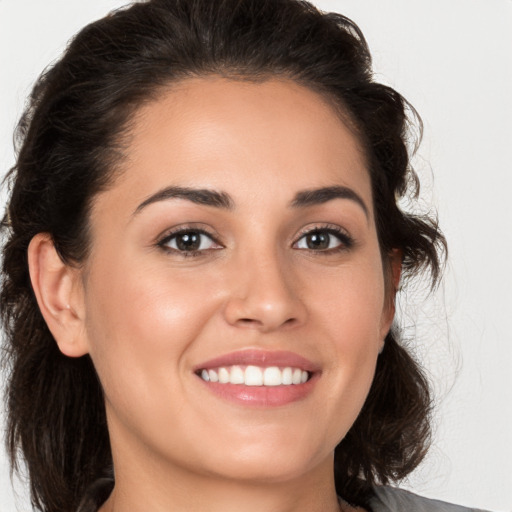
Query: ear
point(395, 258)
point(59, 293)
point(393, 271)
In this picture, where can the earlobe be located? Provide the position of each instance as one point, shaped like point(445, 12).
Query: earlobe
point(59, 293)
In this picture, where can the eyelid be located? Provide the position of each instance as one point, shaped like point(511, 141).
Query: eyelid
point(170, 233)
point(347, 241)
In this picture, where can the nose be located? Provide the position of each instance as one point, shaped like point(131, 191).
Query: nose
point(264, 296)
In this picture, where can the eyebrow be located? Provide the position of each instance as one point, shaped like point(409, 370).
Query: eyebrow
point(201, 196)
point(223, 200)
point(323, 195)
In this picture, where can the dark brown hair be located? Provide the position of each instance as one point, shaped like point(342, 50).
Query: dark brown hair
point(68, 143)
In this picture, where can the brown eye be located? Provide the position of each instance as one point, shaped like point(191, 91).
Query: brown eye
point(324, 240)
point(189, 241)
point(318, 240)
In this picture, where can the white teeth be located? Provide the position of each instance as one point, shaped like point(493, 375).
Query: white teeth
point(296, 377)
point(253, 376)
point(223, 375)
point(287, 376)
point(237, 375)
point(272, 376)
point(256, 376)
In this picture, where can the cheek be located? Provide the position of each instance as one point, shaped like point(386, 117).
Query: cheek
point(141, 323)
point(348, 307)
point(351, 303)
point(140, 328)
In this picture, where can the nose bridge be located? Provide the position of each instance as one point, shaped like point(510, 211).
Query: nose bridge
point(263, 293)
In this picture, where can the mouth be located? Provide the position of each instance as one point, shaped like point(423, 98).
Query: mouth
point(261, 378)
point(255, 375)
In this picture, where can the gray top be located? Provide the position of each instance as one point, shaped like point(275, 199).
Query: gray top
point(385, 499)
point(390, 499)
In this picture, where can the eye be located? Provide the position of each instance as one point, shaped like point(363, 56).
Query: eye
point(189, 241)
point(324, 239)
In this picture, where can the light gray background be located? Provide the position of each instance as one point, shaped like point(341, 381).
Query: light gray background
point(452, 60)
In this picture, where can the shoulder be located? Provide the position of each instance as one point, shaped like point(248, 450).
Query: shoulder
point(390, 499)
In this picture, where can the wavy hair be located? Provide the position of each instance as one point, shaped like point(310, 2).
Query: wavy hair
point(68, 142)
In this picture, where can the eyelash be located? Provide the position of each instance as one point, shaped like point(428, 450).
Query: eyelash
point(184, 230)
point(346, 241)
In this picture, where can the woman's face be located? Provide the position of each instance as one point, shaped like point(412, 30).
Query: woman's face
point(238, 244)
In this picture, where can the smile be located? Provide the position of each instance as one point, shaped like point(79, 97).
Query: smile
point(260, 378)
point(256, 375)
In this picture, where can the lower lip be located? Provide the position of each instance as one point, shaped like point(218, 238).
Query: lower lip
point(262, 396)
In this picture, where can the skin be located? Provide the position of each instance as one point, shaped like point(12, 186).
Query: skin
point(148, 315)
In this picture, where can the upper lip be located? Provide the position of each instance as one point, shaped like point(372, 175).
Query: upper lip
point(258, 357)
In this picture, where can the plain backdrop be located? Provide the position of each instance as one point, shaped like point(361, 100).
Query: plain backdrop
point(452, 60)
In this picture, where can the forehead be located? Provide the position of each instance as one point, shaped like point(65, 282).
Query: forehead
point(258, 137)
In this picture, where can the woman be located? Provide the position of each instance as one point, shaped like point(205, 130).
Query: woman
point(203, 250)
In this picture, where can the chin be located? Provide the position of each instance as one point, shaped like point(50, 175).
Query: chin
point(278, 461)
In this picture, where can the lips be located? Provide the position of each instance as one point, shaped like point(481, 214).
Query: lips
point(257, 377)
point(261, 358)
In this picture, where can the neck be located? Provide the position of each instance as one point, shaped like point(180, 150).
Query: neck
point(142, 487)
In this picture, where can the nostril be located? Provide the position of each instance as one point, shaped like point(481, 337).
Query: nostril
point(249, 322)
point(254, 323)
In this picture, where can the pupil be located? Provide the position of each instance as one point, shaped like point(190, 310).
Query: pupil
point(188, 241)
point(318, 241)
